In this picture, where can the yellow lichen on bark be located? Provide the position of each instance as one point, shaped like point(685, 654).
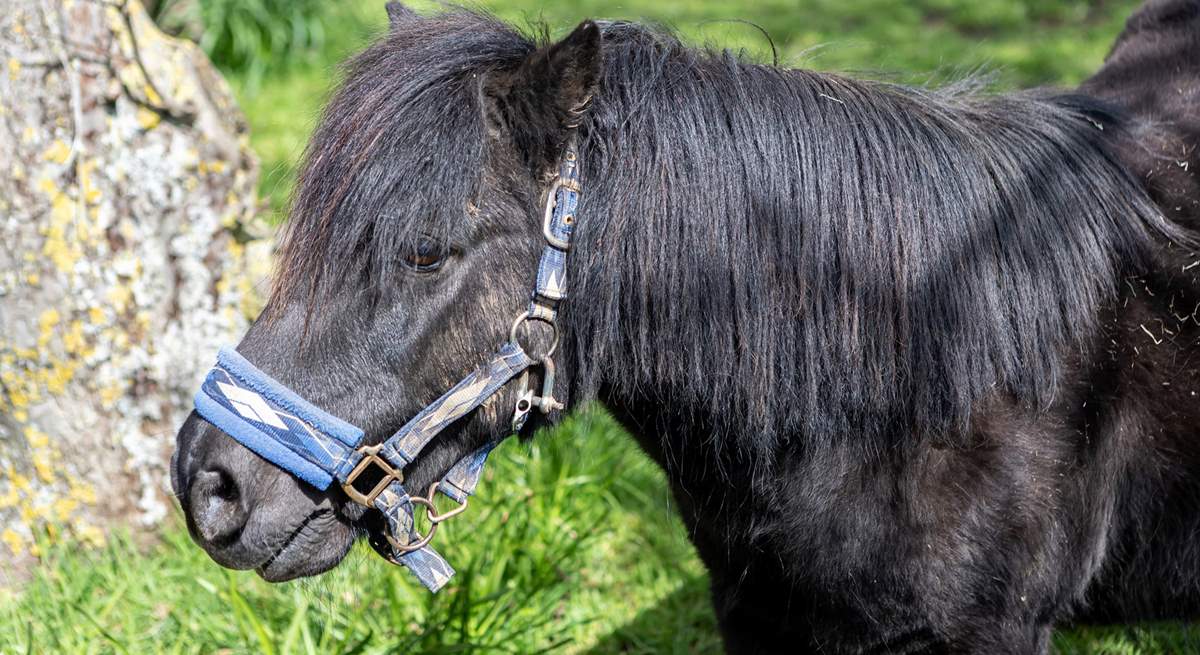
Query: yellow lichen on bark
point(130, 174)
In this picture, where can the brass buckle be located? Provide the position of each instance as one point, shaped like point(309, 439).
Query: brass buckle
point(371, 457)
point(434, 520)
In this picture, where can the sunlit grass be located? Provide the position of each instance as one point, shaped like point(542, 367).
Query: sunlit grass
point(572, 546)
point(571, 537)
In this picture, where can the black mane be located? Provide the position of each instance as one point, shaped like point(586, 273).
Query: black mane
point(800, 252)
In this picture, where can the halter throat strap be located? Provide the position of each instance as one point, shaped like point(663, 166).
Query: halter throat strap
point(279, 425)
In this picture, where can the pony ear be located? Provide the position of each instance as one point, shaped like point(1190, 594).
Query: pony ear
point(398, 13)
point(536, 104)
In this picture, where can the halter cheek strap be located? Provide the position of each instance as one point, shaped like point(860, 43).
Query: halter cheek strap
point(285, 429)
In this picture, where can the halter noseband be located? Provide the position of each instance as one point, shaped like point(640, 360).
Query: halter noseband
point(295, 435)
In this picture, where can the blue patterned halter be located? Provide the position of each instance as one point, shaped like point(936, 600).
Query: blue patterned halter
point(295, 435)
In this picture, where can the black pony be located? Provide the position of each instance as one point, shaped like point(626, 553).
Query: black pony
point(922, 365)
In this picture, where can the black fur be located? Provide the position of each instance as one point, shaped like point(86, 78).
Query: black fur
point(921, 364)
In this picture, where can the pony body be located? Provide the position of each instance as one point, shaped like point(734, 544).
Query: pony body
point(919, 364)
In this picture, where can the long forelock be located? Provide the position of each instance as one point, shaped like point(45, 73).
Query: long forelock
point(398, 154)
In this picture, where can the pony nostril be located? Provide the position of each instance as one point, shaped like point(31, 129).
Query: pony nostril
point(217, 512)
point(225, 489)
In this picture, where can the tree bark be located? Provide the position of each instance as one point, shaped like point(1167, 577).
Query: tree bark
point(126, 208)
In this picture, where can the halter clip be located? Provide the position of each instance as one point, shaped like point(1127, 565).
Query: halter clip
point(526, 401)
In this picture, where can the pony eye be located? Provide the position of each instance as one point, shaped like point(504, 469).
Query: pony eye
point(427, 255)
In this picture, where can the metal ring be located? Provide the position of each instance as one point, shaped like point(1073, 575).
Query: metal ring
point(525, 316)
point(423, 541)
point(434, 517)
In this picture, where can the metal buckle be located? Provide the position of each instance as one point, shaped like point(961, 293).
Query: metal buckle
point(390, 474)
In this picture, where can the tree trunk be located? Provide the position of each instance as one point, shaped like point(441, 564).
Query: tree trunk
point(126, 205)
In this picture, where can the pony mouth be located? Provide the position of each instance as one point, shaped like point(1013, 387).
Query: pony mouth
point(281, 566)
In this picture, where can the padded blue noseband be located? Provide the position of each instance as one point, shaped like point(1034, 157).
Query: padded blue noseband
point(285, 429)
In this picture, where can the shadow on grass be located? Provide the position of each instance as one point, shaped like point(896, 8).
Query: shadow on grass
point(682, 622)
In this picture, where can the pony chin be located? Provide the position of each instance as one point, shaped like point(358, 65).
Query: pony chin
point(319, 544)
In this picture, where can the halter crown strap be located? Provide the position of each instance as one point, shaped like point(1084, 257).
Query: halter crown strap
point(270, 419)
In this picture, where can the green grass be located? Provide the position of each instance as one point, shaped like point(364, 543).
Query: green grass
point(572, 545)
point(252, 37)
point(571, 538)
